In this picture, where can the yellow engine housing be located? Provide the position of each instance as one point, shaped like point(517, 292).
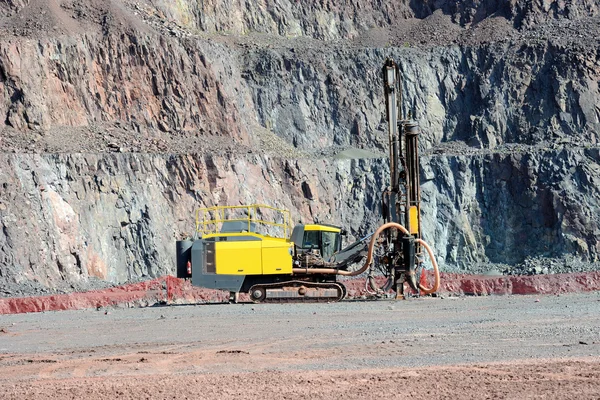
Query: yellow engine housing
point(251, 254)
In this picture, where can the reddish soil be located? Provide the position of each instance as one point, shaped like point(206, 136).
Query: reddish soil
point(172, 290)
point(487, 347)
point(543, 380)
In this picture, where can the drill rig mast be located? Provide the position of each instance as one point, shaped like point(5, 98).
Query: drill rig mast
point(401, 201)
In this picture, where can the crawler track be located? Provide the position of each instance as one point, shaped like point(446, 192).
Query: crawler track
point(297, 292)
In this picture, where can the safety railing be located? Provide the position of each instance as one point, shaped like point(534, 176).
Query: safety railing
point(250, 218)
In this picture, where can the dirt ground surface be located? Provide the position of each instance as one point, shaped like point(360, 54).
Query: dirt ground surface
point(458, 347)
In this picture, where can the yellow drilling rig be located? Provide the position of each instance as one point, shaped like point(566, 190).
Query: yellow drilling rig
point(253, 249)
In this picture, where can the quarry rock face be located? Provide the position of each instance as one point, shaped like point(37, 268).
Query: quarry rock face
point(121, 118)
point(116, 217)
point(505, 208)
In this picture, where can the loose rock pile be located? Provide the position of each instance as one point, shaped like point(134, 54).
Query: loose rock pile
point(546, 265)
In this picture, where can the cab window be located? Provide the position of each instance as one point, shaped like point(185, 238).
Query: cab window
point(311, 240)
point(330, 244)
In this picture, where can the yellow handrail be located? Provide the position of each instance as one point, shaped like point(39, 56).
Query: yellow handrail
point(208, 219)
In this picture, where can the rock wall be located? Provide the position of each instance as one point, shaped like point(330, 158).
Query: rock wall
point(161, 107)
point(506, 207)
point(116, 217)
point(485, 96)
point(347, 19)
point(72, 82)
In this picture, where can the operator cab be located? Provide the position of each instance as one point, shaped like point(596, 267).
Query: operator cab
point(322, 238)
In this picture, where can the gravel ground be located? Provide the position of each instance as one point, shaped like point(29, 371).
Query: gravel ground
point(473, 347)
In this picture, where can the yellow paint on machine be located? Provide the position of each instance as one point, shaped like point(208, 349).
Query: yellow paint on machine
point(276, 256)
point(242, 257)
point(316, 227)
point(266, 256)
point(413, 218)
